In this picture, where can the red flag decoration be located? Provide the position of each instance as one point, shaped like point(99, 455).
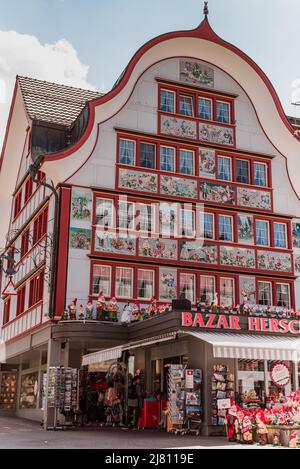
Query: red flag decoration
point(10, 289)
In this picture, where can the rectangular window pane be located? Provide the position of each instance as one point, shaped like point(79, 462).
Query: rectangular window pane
point(207, 226)
point(205, 109)
point(167, 101)
point(102, 280)
point(224, 168)
point(227, 294)
point(126, 215)
point(146, 217)
point(280, 235)
point(187, 223)
point(223, 112)
point(186, 105)
point(207, 289)
point(145, 284)
point(242, 172)
point(283, 295)
point(104, 212)
point(187, 287)
point(225, 228)
point(167, 159)
point(262, 233)
point(127, 152)
point(186, 162)
point(124, 282)
point(265, 293)
point(147, 155)
point(260, 174)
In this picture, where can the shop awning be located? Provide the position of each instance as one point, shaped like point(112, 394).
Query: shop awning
point(257, 347)
point(116, 352)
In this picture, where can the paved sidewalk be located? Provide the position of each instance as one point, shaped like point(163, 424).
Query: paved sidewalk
point(20, 433)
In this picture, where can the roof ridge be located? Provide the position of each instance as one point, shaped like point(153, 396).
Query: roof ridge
point(22, 77)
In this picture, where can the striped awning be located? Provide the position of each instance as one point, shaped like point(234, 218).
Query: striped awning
point(245, 346)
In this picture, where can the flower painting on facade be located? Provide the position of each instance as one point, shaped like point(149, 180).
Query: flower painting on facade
point(196, 73)
point(216, 134)
point(178, 187)
point(81, 205)
point(219, 193)
point(167, 284)
point(277, 261)
point(80, 239)
point(296, 235)
point(237, 257)
point(158, 248)
point(114, 243)
point(207, 163)
point(247, 290)
point(254, 198)
point(245, 229)
point(297, 263)
point(178, 127)
point(137, 180)
point(196, 251)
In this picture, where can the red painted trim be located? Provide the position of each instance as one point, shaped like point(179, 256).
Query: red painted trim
point(29, 331)
point(63, 250)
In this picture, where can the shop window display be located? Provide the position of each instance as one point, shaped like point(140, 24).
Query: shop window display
point(29, 391)
point(251, 381)
point(8, 390)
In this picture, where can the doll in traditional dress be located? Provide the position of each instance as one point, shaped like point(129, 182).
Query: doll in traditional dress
point(101, 306)
point(113, 309)
point(152, 308)
point(261, 428)
point(238, 424)
point(81, 315)
point(89, 311)
point(72, 310)
point(276, 439)
point(136, 311)
point(126, 314)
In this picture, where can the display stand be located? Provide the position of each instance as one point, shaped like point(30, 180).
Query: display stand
point(222, 388)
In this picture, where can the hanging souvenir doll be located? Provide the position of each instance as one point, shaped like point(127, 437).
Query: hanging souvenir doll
point(81, 313)
point(113, 309)
point(89, 311)
point(136, 311)
point(230, 423)
point(72, 310)
point(101, 306)
point(247, 430)
point(261, 428)
point(126, 314)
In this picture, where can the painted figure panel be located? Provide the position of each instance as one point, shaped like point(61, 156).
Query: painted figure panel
point(245, 229)
point(276, 261)
point(158, 248)
point(216, 134)
point(115, 243)
point(237, 257)
point(80, 239)
point(137, 180)
point(207, 163)
point(178, 187)
point(81, 205)
point(254, 198)
point(219, 193)
point(178, 127)
point(247, 290)
point(196, 73)
point(167, 284)
point(296, 235)
point(197, 251)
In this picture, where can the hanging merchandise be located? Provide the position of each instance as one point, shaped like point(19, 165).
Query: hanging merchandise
point(222, 389)
point(114, 395)
point(8, 390)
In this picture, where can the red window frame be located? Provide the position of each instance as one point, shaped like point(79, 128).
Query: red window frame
point(18, 203)
point(21, 300)
point(36, 289)
point(24, 243)
point(28, 189)
point(40, 226)
point(273, 283)
point(6, 310)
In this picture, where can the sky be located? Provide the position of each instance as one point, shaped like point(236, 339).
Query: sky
point(88, 43)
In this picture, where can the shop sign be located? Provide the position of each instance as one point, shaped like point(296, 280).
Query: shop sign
point(280, 375)
point(233, 323)
point(224, 404)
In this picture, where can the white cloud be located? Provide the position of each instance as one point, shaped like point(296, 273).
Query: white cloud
point(22, 54)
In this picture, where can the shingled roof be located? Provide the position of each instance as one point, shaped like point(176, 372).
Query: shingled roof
point(53, 103)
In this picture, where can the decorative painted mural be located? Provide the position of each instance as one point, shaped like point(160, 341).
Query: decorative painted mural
point(276, 261)
point(82, 203)
point(167, 284)
point(80, 239)
point(207, 163)
point(247, 290)
point(178, 127)
point(297, 262)
point(216, 134)
point(220, 193)
point(196, 251)
point(178, 187)
point(254, 198)
point(137, 180)
point(158, 248)
point(196, 73)
point(115, 243)
point(245, 229)
point(296, 235)
point(237, 257)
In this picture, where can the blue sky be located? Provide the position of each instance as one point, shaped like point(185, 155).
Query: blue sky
point(105, 35)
